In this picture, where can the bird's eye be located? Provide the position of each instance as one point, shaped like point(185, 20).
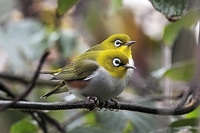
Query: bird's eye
point(116, 62)
point(118, 43)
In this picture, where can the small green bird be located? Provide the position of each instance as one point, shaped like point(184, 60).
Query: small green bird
point(103, 71)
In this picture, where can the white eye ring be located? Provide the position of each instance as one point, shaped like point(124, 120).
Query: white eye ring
point(116, 62)
point(118, 43)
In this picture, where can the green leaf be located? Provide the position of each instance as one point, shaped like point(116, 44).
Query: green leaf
point(142, 123)
point(64, 5)
point(90, 130)
point(185, 122)
point(116, 4)
point(193, 114)
point(183, 71)
point(185, 125)
point(24, 126)
point(171, 8)
point(171, 31)
point(91, 118)
point(128, 127)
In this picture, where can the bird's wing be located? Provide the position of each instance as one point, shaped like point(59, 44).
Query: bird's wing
point(77, 71)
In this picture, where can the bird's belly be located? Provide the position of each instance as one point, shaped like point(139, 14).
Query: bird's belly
point(102, 85)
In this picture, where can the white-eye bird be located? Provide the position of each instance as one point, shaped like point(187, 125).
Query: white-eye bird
point(121, 42)
point(97, 73)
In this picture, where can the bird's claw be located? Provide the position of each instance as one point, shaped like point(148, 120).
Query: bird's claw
point(92, 99)
point(106, 104)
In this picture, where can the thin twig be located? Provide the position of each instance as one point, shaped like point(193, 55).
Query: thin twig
point(5, 89)
point(70, 120)
point(40, 121)
point(185, 97)
point(54, 123)
point(26, 80)
point(10, 94)
point(32, 84)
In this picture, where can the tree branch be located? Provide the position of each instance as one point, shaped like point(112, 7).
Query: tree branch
point(41, 106)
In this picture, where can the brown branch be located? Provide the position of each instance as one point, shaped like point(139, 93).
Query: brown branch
point(84, 104)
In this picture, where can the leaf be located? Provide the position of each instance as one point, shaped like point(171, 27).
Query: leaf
point(14, 58)
point(142, 123)
point(112, 121)
point(185, 125)
point(183, 71)
point(90, 130)
point(171, 31)
point(28, 36)
point(116, 4)
point(64, 5)
point(172, 9)
point(91, 118)
point(128, 127)
point(185, 122)
point(193, 114)
point(24, 126)
point(24, 41)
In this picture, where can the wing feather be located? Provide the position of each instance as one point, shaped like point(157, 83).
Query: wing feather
point(77, 71)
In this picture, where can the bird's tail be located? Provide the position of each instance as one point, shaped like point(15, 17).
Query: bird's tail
point(57, 89)
point(51, 71)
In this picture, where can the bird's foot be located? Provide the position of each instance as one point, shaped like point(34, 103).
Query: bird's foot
point(94, 100)
point(107, 105)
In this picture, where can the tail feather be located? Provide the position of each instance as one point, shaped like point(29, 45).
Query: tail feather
point(52, 71)
point(57, 89)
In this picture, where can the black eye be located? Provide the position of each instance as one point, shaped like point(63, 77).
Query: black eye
point(118, 43)
point(116, 62)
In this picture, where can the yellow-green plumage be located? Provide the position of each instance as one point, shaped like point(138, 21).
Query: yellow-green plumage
point(109, 44)
point(89, 62)
point(98, 58)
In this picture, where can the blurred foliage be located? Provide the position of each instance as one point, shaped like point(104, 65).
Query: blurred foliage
point(24, 126)
point(182, 71)
point(64, 5)
point(69, 27)
point(173, 9)
point(186, 125)
point(171, 31)
point(193, 114)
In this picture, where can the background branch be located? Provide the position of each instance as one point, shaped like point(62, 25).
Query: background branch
point(26, 80)
point(33, 81)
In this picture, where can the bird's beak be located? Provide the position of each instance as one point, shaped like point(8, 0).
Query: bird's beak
point(129, 66)
point(129, 43)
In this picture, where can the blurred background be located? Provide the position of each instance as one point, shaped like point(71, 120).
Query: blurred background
point(167, 37)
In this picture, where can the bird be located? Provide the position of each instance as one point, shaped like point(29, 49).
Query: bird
point(121, 42)
point(98, 73)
